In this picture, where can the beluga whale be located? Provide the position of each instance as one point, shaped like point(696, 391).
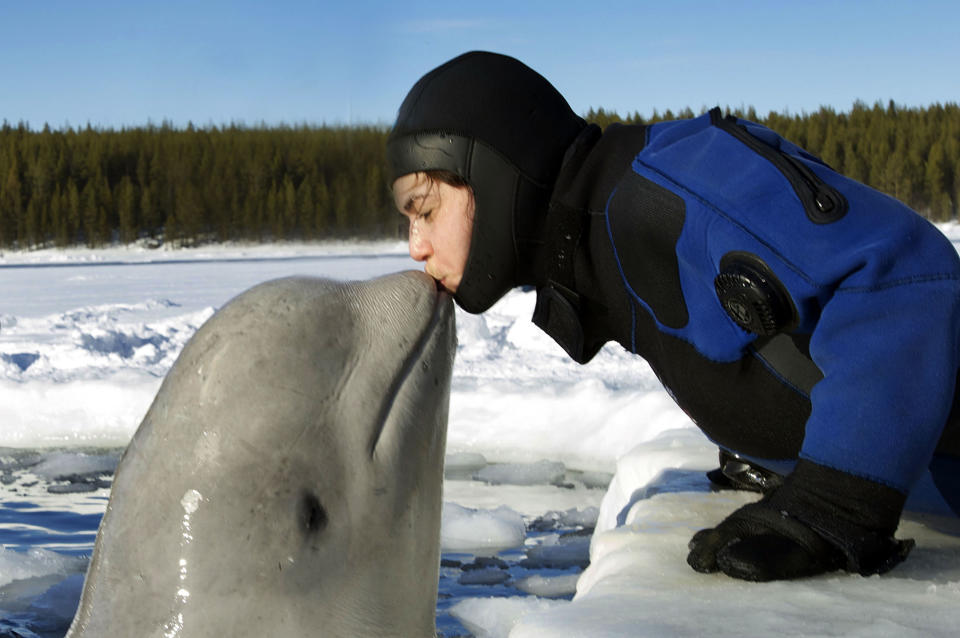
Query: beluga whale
point(286, 480)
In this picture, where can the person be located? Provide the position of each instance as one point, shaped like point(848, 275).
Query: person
point(806, 323)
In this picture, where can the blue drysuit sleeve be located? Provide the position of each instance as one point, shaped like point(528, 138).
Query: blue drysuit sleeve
point(887, 343)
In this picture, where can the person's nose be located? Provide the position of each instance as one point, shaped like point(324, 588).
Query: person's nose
point(419, 245)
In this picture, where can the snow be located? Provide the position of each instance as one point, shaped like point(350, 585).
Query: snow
point(86, 337)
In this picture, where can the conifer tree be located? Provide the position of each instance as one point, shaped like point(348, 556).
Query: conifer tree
point(11, 204)
point(31, 231)
point(89, 213)
point(322, 208)
point(306, 208)
point(73, 212)
point(939, 176)
point(58, 220)
point(126, 210)
point(288, 207)
point(340, 202)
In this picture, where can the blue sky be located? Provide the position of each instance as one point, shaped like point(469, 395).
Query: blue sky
point(116, 64)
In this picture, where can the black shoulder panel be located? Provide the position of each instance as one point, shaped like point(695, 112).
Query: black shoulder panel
point(645, 224)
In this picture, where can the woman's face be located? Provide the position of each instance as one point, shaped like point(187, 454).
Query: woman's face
point(441, 223)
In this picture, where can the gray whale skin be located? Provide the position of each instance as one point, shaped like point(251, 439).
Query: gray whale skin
point(286, 480)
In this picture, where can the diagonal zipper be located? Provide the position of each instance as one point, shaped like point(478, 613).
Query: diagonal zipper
point(822, 203)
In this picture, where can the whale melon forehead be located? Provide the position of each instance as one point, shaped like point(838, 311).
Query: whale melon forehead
point(294, 357)
point(363, 315)
point(394, 305)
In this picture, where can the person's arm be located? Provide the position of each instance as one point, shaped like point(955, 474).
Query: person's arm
point(887, 344)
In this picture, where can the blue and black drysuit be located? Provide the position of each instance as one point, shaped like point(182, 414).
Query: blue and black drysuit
point(804, 321)
point(848, 357)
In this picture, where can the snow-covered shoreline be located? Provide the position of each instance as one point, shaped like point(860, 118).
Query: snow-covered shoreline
point(86, 337)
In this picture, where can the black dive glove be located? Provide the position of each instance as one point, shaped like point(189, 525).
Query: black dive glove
point(818, 521)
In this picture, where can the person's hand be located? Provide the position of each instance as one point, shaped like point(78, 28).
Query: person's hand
point(758, 543)
point(820, 520)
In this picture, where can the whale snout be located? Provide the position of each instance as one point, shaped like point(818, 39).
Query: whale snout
point(412, 294)
point(426, 342)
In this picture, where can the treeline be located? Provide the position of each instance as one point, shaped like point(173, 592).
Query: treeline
point(910, 153)
point(93, 186)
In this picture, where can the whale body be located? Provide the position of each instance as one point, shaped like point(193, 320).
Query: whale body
point(287, 478)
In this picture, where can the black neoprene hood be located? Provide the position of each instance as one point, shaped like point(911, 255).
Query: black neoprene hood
point(504, 128)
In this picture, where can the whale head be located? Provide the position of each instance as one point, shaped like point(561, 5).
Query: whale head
point(287, 478)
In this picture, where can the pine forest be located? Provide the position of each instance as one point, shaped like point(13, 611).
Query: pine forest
point(193, 185)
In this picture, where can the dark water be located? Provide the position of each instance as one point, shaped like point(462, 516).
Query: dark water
point(50, 509)
point(48, 523)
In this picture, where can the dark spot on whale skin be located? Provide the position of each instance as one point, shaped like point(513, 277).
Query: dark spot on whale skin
point(311, 515)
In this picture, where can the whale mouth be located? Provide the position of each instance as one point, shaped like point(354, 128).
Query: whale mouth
point(432, 331)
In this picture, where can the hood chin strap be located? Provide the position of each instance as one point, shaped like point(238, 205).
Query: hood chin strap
point(557, 311)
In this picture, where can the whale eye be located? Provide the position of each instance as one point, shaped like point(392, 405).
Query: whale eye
point(311, 515)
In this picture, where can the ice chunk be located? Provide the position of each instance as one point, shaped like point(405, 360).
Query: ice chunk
point(585, 518)
point(119, 342)
point(549, 586)
point(569, 550)
point(495, 617)
point(78, 487)
point(463, 464)
point(487, 576)
point(595, 480)
point(539, 473)
point(35, 563)
point(466, 529)
point(66, 465)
